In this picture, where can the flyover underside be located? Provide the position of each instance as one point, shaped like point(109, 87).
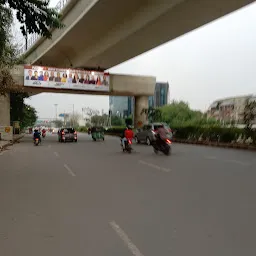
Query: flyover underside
point(114, 31)
point(33, 91)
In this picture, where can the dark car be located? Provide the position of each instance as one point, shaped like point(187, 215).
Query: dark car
point(146, 134)
point(67, 134)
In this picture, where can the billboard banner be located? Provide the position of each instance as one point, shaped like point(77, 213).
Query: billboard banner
point(60, 78)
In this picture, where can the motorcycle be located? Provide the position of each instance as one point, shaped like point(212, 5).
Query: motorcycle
point(43, 134)
point(128, 146)
point(36, 141)
point(162, 146)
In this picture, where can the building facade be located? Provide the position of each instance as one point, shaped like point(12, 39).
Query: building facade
point(229, 109)
point(161, 96)
point(124, 106)
point(121, 106)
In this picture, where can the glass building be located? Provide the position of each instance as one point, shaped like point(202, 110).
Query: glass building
point(123, 106)
point(161, 96)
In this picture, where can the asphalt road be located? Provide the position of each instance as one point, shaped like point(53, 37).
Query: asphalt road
point(91, 199)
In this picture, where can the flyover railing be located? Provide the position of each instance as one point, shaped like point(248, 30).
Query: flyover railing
point(34, 37)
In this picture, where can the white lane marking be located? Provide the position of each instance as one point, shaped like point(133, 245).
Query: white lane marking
point(155, 166)
point(210, 157)
point(227, 161)
point(56, 154)
point(131, 246)
point(69, 170)
point(237, 162)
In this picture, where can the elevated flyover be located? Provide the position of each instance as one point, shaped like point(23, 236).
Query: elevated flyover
point(104, 33)
point(119, 85)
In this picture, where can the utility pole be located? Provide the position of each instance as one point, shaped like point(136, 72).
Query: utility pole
point(64, 118)
point(56, 111)
point(73, 115)
point(26, 39)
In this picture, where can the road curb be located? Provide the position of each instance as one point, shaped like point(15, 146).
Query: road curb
point(209, 144)
point(11, 142)
point(218, 145)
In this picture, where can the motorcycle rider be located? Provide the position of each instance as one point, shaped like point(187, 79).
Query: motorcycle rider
point(43, 132)
point(161, 134)
point(127, 135)
point(37, 135)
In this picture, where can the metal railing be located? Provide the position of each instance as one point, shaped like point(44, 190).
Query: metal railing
point(34, 37)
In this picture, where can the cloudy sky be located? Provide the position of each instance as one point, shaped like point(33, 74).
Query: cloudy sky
point(215, 61)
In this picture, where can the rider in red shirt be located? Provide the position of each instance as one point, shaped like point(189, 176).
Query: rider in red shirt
point(128, 135)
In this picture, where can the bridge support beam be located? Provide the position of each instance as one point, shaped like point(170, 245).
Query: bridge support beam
point(5, 110)
point(141, 102)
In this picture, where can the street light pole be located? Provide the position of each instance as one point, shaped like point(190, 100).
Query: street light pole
point(56, 111)
point(26, 39)
point(73, 115)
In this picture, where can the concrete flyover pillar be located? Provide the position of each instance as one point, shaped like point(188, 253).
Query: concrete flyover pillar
point(141, 102)
point(4, 110)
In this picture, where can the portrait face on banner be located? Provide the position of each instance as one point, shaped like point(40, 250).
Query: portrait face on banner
point(70, 79)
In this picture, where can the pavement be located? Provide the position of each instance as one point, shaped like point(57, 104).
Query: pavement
point(4, 143)
point(89, 198)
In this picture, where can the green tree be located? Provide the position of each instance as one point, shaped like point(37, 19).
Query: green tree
point(117, 121)
point(99, 120)
point(179, 114)
point(128, 121)
point(29, 116)
point(73, 119)
point(21, 112)
point(152, 114)
point(249, 119)
point(7, 50)
point(35, 16)
point(17, 106)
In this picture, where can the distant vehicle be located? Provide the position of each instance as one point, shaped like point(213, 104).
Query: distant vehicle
point(146, 134)
point(97, 133)
point(67, 134)
point(54, 130)
point(36, 141)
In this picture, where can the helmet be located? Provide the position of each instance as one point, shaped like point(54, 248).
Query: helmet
point(129, 127)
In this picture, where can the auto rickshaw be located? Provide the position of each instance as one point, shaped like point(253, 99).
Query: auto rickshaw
point(97, 133)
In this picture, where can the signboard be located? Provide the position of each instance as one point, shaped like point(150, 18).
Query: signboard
point(16, 124)
point(73, 79)
point(6, 133)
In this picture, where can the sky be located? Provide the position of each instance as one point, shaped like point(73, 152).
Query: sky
point(215, 61)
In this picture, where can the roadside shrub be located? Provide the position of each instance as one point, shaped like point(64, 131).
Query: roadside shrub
point(195, 133)
point(82, 129)
point(214, 134)
point(115, 131)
